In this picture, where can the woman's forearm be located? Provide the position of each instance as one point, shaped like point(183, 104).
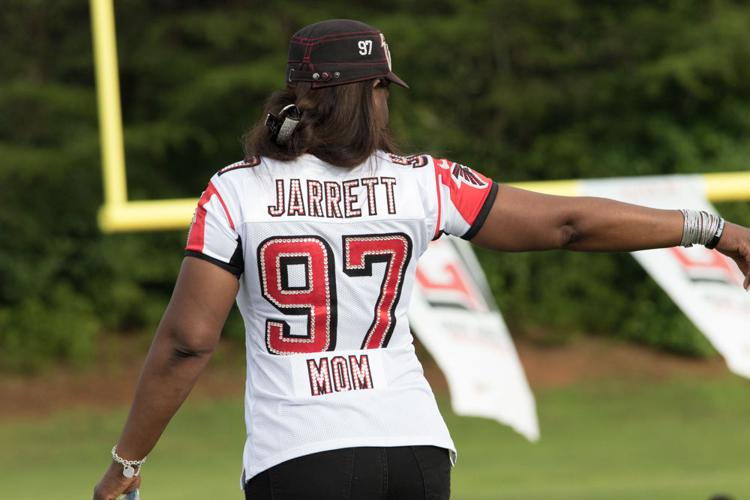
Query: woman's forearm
point(184, 342)
point(597, 224)
point(521, 220)
point(168, 375)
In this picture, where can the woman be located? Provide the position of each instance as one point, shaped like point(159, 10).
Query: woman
point(316, 234)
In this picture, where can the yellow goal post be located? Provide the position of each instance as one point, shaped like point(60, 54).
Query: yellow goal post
point(118, 214)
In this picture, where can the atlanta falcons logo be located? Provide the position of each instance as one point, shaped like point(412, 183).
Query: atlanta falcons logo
point(462, 173)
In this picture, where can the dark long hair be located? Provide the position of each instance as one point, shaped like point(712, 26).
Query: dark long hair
point(339, 125)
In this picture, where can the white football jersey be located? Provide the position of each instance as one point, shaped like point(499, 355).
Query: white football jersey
point(326, 258)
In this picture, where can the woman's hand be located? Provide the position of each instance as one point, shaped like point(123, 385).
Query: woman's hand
point(113, 484)
point(735, 243)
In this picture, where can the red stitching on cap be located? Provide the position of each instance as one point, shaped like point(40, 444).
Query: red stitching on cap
point(323, 42)
point(308, 51)
point(334, 35)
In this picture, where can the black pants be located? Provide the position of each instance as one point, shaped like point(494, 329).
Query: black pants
point(405, 472)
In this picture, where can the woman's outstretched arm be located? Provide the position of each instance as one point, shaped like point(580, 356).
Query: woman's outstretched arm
point(185, 339)
point(522, 220)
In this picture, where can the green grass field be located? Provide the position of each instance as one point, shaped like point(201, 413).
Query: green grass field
point(683, 439)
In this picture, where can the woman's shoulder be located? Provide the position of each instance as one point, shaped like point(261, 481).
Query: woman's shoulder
point(249, 162)
point(416, 160)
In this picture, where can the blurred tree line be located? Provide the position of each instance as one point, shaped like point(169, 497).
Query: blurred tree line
point(521, 90)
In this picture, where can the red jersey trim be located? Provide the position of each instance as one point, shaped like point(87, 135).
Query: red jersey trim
point(435, 168)
point(468, 192)
point(484, 211)
point(196, 239)
point(224, 205)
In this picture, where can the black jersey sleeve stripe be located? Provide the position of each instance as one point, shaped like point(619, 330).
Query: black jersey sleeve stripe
point(237, 271)
point(238, 260)
point(483, 213)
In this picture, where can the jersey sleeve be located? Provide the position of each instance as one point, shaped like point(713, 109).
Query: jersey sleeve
point(213, 236)
point(464, 199)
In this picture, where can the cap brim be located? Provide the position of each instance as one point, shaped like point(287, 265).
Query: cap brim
point(393, 77)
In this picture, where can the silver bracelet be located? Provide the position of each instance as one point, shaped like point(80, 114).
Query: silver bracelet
point(130, 468)
point(700, 227)
point(717, 236)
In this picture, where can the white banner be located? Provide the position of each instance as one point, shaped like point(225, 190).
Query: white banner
point(705, 284)
point(455, 317)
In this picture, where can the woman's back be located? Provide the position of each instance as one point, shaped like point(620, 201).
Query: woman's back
point(327, 258)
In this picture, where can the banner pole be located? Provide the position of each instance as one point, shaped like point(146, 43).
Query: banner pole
point(724, 186)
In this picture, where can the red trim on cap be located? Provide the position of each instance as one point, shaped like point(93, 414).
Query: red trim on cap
point(308, 52)
point(335, 35)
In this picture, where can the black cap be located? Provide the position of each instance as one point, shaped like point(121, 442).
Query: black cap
point(339, 51)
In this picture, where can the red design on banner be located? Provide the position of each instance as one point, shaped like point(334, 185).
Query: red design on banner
point(708, 265)
point(456, 283)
